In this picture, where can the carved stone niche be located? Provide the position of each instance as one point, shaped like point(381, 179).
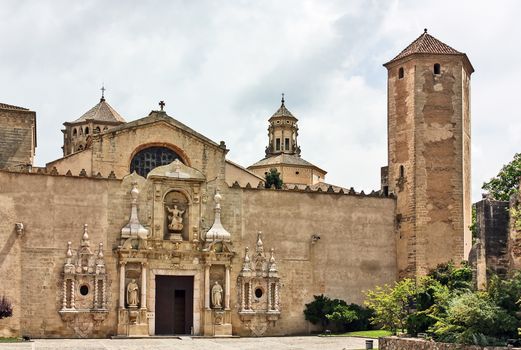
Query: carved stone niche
point(176, 216)
point(84, 291)
point(259, 290)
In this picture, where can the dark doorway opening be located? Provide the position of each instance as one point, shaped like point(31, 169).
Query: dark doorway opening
point(174, 304)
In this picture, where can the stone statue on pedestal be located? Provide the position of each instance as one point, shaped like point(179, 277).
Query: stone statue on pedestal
point(176, 219)
point(132, 293)
point(217, 295)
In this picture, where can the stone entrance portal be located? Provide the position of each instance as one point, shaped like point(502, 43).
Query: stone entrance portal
point(174, 304)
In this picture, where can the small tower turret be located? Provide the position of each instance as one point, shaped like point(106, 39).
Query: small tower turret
point(282, 132)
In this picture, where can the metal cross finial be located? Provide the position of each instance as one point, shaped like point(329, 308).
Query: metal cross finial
point(425, 30)
point(103, 92)
point(282, 100)
point(162, 104)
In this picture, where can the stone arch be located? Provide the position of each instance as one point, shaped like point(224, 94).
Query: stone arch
point(148, 158)
point(183, 157)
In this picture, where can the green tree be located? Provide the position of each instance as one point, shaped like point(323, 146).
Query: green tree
point(506, 182)
point(392, 305)
point(273, 179)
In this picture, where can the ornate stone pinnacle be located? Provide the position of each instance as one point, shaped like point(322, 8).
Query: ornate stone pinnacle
point(69, 250)
point(100, 251)
point(217, 197)
point(260, 245)
point(85, 238)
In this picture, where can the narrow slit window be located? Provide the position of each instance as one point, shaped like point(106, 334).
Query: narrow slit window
point(437, 68)
point(277, 144)
point(402, 171)
point(286, 144)
point(400, 73)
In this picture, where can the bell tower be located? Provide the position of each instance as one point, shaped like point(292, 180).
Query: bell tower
point(282, 132)
point(429, 154)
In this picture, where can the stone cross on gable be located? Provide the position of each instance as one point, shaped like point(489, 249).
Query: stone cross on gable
point(161, 104)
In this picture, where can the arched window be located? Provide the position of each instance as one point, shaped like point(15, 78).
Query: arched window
point(74, 132)
point(87, 130)
point(402, 171)
point(149, 158)
point(105, 128)
point(97, 130)
point(437, 68)
point(400, 73)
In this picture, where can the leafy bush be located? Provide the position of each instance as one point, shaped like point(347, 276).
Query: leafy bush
point(473, 318)
point(337, 314)
point(6, 309)
point(452, 276)
point(506, 292)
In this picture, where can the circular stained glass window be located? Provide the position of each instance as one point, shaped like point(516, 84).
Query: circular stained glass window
point(149, 158)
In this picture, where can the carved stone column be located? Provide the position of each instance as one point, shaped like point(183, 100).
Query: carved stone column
point(143, 285)
point(122, 284)
point(269, 295)
point(227, 289)
point(207, 286)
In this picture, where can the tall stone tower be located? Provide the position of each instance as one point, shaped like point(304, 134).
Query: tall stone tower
point(429, 154)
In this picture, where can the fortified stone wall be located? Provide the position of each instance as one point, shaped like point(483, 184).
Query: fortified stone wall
point(355, 251)
point(394, 343)
point(17, 138)
point(53, 210)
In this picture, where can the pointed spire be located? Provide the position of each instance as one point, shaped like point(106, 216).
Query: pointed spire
point(273, 266)
point(85, 238)
point(246, 261)
point(102, 99)
point(260, 245)
point(100, 251)
point(217, 232)
point(68, 261)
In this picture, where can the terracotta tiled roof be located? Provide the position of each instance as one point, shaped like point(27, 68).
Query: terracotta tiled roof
point(428, 44)
point(101, 112)
point(284, 158)
point(6, 106)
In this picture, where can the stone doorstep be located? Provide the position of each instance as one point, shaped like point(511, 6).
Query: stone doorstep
point(180, 337)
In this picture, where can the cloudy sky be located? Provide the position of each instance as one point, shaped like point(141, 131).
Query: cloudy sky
point(220, 66)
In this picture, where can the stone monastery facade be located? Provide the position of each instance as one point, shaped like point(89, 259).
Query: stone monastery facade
point(145, 228)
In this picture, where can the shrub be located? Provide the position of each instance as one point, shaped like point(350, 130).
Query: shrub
point(452, 276)
point(337, 314)
point(6, 309)
point(473, 318)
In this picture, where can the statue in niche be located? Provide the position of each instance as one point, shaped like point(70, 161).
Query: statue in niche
point(176, 219)
point(132, 293)
point(217, 295)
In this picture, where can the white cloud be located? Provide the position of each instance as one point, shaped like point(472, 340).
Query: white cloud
point(221, 66)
